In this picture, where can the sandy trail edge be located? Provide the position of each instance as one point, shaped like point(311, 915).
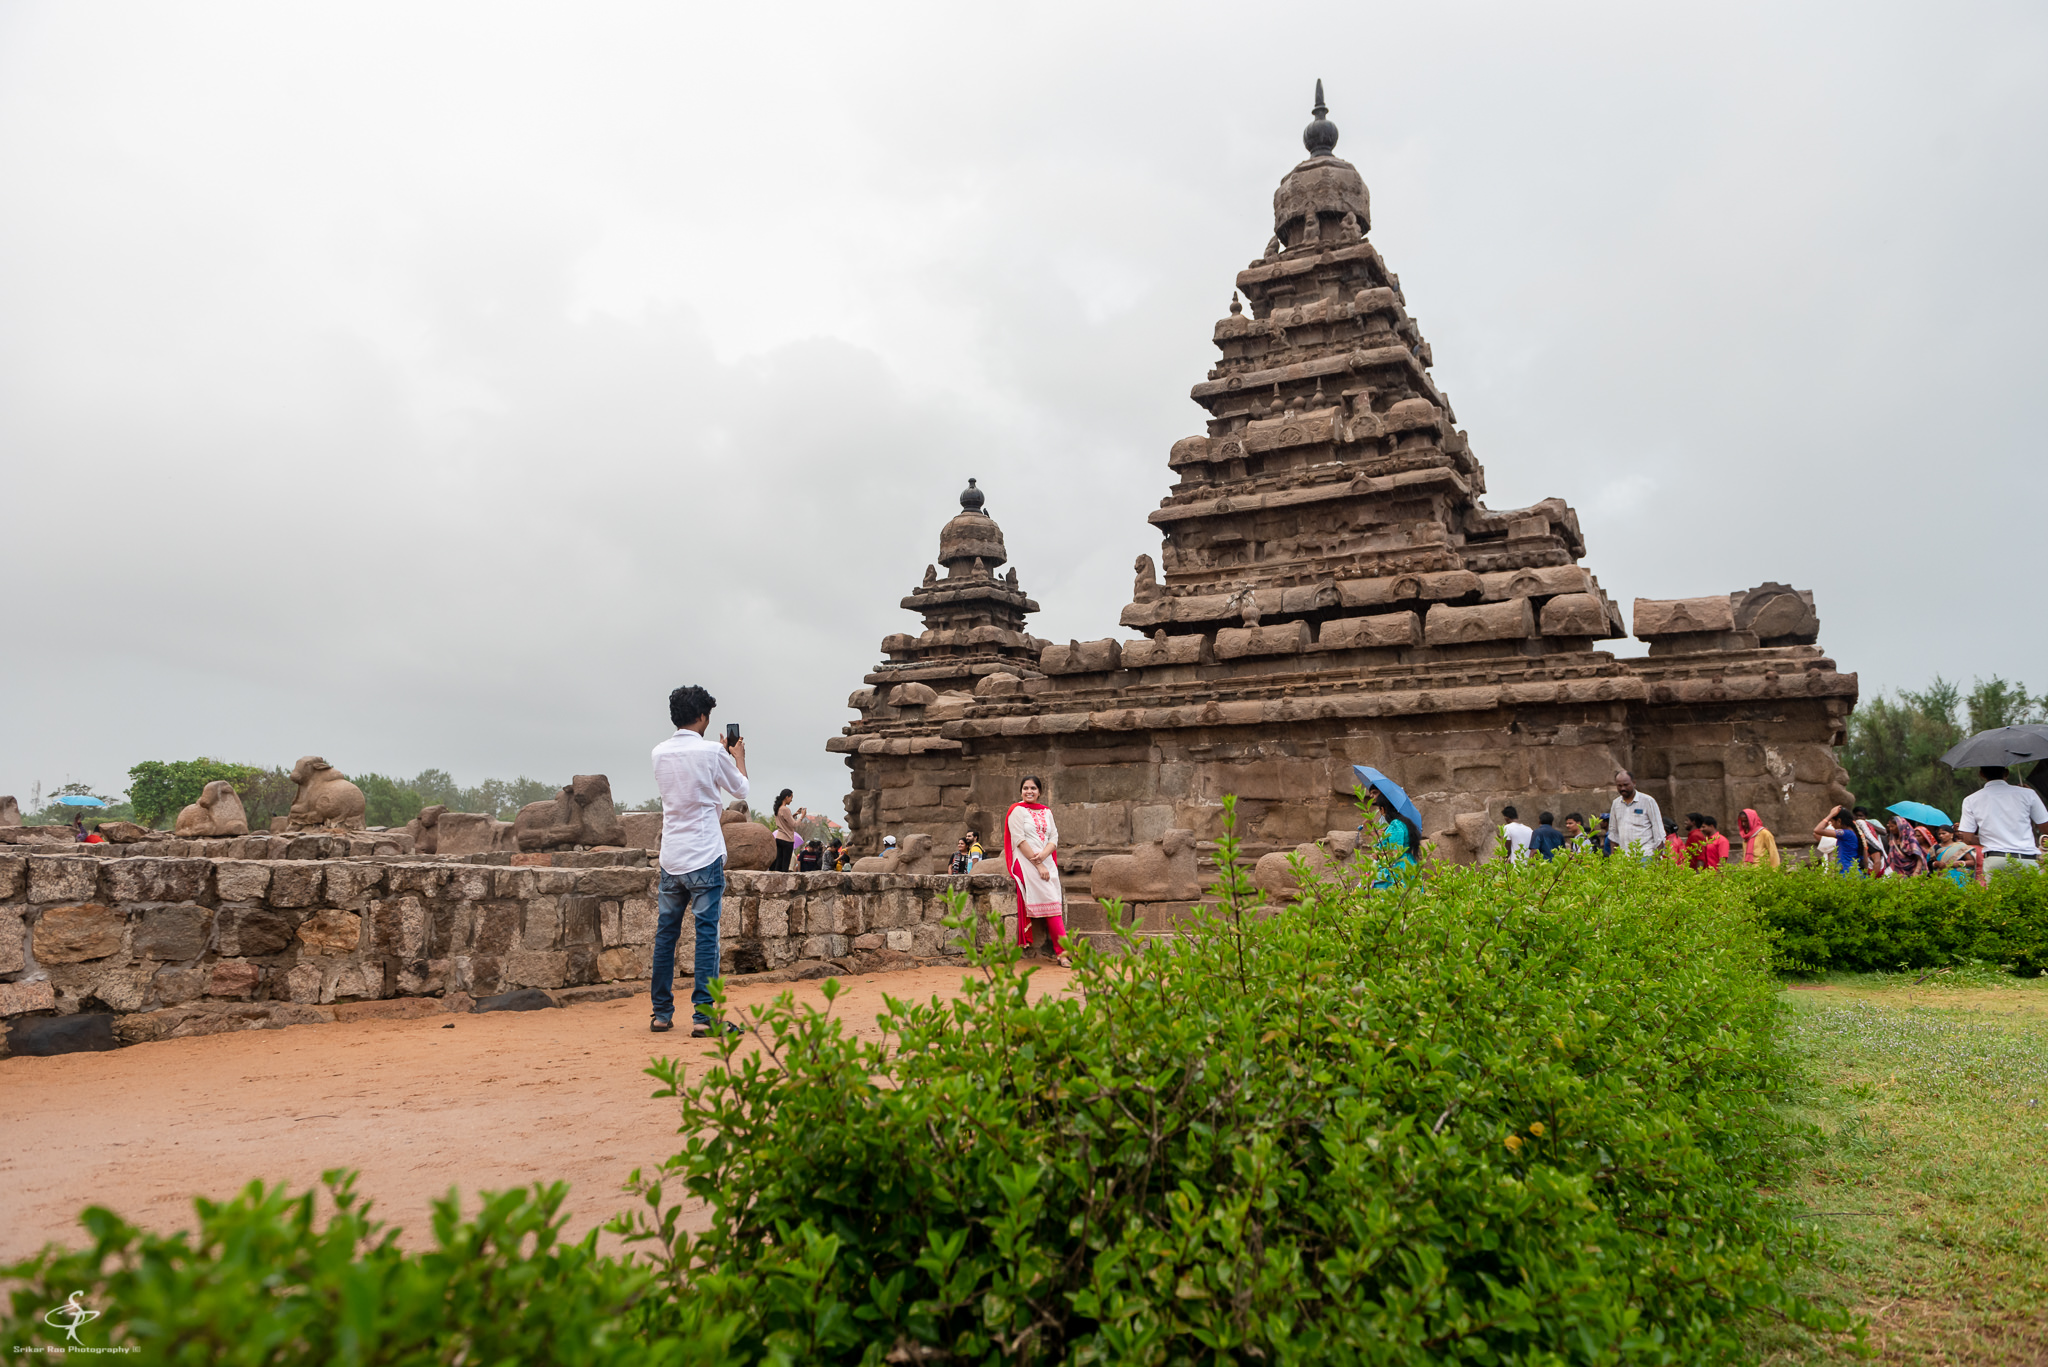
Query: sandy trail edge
point(501, 1100)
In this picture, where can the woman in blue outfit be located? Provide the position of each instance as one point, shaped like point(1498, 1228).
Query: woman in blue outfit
point(1396, 834)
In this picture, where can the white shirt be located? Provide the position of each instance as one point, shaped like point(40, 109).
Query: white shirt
point(2003, 817)
point(1518, 837)
point(1635, 823)
point(690, 771)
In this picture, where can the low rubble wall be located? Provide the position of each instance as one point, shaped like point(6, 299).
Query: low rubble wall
point(176, 946)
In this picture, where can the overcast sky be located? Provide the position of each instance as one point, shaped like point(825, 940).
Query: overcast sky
point(437, 385)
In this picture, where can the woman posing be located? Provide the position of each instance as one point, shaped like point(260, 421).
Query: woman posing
point(1031, 854)
point(786, 836)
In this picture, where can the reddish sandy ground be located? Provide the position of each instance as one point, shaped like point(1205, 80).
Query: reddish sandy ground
point(500, 1100)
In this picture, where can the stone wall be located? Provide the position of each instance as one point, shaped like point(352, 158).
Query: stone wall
point(162, 936)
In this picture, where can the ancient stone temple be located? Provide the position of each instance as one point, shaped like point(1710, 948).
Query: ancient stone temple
point(1332, 590)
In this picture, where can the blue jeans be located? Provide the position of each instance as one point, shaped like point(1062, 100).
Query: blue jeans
point(702, 892)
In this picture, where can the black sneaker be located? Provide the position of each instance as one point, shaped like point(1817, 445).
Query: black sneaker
point(661, 1025)
point(704, 1030)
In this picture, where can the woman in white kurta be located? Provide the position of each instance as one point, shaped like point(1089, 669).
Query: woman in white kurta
point(1031, 854)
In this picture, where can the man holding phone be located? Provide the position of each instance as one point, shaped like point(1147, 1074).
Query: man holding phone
point(691, 772)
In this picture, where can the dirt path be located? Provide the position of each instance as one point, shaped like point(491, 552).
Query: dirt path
point(500, 1100)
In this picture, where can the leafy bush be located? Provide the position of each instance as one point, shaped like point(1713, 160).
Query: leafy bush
point(1517, 1116)
point(1822, 920)
point(263, 1283)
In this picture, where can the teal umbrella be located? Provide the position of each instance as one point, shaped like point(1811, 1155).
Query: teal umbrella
point(76, 800)
point(1395, 794)
point(1920, 812)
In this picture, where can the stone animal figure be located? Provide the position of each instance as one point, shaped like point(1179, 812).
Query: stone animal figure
point(1162, 871)
point(220, 812)
point(913, 855)
point(470, 833)
point(1145, 587)
point(325, 798)
point(10, 812)
point(748, 844)
point(425, 829)
point(581, 814)
point(1275, 874)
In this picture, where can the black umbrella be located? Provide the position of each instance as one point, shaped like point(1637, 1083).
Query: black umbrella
point(2003, 747)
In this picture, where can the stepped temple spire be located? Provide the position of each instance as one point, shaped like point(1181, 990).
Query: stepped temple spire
point(1332, 481)
point(973, 619)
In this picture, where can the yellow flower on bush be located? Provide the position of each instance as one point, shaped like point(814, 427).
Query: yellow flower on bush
point(1514, 1143)
point(1536, 1128)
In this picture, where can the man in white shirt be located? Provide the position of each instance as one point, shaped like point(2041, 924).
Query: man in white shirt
point(1516, 834)
point(2004, 820)
point(691, 772)
point(1634, 824)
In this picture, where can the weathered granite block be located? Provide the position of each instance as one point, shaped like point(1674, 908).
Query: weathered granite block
point(295, 883)
point(241, 880)
point(173, 933)
point(540, 925)
point(352, 885)
point(13, 940)
point(13, 877)
point(155, 880)
point(331, 933)
point(536, 968)
point(63, 878)
point(78, 933)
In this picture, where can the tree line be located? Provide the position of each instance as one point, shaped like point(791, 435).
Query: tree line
point(1895, 743)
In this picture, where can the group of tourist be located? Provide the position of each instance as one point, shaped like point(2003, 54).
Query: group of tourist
point(2002, 825)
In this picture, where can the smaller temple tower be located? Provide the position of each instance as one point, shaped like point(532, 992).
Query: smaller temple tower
point(973, 639)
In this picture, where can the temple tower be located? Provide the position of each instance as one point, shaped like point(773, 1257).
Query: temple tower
point(1332, 486)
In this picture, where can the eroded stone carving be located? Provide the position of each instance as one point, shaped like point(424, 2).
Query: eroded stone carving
point(748, 844)
point(425, 829)
point(1163, 871)
point(219, 811)
point(913, 855)
point(10, 812)
point(581, 814)
point(325, 798)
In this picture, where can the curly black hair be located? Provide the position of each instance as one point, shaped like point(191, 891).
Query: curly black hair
point(688, 703)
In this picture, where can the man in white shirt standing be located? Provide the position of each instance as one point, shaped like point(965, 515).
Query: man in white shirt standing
point(1516, 834)
point(1634, 824)
point(691, 772)
point(2004, 820)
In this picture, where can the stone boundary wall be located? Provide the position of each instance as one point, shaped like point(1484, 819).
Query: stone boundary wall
point(195, 944)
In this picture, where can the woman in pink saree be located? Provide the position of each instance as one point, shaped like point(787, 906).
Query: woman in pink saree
point(1031, 854)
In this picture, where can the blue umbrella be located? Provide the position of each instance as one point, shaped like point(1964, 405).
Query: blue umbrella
point(1920, 812)
point(76, 800)
point(1394, 793)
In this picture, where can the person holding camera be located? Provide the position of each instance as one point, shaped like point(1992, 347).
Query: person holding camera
point(691, 772)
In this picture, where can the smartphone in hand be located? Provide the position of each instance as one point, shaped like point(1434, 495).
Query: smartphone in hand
point(732, 734)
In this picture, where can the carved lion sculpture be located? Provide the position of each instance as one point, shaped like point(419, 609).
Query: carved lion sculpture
point(581, 814)
point(748, 844)
point(325, 798)
point(1163, 871)
point(425, 829)
point(913, 855)
point(217, 812)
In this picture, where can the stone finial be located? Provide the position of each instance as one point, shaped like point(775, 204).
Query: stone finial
point(972, 498)
point(1235, 307)
point(1320, 137)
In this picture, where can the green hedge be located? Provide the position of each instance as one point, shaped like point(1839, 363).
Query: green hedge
point(1521, 1115)
point(1822, 920)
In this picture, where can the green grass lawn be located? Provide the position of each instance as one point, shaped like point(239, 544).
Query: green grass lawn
point(1930, 1171)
